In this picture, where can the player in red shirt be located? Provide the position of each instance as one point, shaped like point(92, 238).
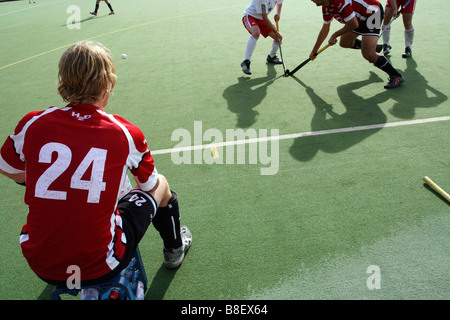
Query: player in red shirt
point(74, 163)
point(392, 8)
point(360, 17)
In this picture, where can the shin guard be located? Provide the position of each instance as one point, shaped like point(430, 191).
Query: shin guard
point(167, 222)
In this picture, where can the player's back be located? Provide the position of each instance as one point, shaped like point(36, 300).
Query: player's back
point(75, 162)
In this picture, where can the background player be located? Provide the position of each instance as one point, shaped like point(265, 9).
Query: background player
point(257, 23)
point(360, 17)
point(97, 5)
point(74, 162)
point(392, 8)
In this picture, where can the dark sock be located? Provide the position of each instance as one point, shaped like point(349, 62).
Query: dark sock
point(384, 64)
point(96, 8)
point(357, 44)
point(110, 7)
point(167, 222)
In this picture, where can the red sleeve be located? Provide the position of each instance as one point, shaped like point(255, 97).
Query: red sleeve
point(141, 162)
point(11, 160)
point(327, 17)
point(347, 12)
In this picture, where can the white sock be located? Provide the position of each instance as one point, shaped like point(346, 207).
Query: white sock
point(386, 33)
point(275, 46)
point(409, 37)
point(251, 45)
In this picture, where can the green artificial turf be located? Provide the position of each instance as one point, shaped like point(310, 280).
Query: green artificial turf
point(338, 203)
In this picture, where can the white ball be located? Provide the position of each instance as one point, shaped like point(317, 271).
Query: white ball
point(124, 56)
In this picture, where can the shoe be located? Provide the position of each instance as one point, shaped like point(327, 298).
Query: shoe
point(273, 60)
point(386, 49)
point(246, 67)
point(93, 13)
point(394, 82)
point(407, 53)
point(173, 258)
point(379, 48)
point(112, 12)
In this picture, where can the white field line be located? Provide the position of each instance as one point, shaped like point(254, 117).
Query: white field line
point(301, 134)
point(28, 8)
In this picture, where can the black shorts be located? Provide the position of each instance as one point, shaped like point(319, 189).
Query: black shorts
point(372, 25)
point(137, 210)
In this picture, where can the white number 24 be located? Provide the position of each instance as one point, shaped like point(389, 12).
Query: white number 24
point(94, 186)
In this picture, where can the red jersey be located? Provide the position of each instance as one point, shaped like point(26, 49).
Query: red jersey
point(344, 10)
point(76, 159)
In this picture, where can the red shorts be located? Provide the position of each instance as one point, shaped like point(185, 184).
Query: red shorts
point(250, 22)
point(410, 8)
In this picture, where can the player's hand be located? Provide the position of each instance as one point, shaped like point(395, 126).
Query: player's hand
point(276, 17)
point(395, 13)
point(278, 37)
point(332, 41)
point(313, 55)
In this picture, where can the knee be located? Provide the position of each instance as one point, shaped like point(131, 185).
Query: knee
point(162, 193)
point(408, 26)
point(256, 33)
point(407, 21)
point(370, 56)
point(164, 184)
point(345, 43)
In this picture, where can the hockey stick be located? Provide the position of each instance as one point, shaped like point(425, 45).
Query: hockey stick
point(281, 52)
point(306, 61)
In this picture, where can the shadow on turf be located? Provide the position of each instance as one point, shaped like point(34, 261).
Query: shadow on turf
point(46, 294)
point(160, 283)
point(358, 112)
point(415, 93)
point(248, 93)
point(91, 17)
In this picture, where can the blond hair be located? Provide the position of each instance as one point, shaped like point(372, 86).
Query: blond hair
point(86, 72)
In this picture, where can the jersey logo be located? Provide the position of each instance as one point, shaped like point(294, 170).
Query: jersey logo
point(264, 9)
point(80, 117)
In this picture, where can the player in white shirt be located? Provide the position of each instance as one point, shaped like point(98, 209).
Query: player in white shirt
point(257, 23)
point(407, 12)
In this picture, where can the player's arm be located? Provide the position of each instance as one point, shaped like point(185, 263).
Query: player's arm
point(350, 25)
point(277, 15)
point(155, 187)
point(320, 39)
point(10, 164)
point(394, 6)
point(17, 177)
point(274, 33)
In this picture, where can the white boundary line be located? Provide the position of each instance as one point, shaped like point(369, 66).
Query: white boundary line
point(116, 31)
point(29, 8)
point(302, 134)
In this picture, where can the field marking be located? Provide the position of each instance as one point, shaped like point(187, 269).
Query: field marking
point(116, 31)
point(300, 135)
point(28, 8)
